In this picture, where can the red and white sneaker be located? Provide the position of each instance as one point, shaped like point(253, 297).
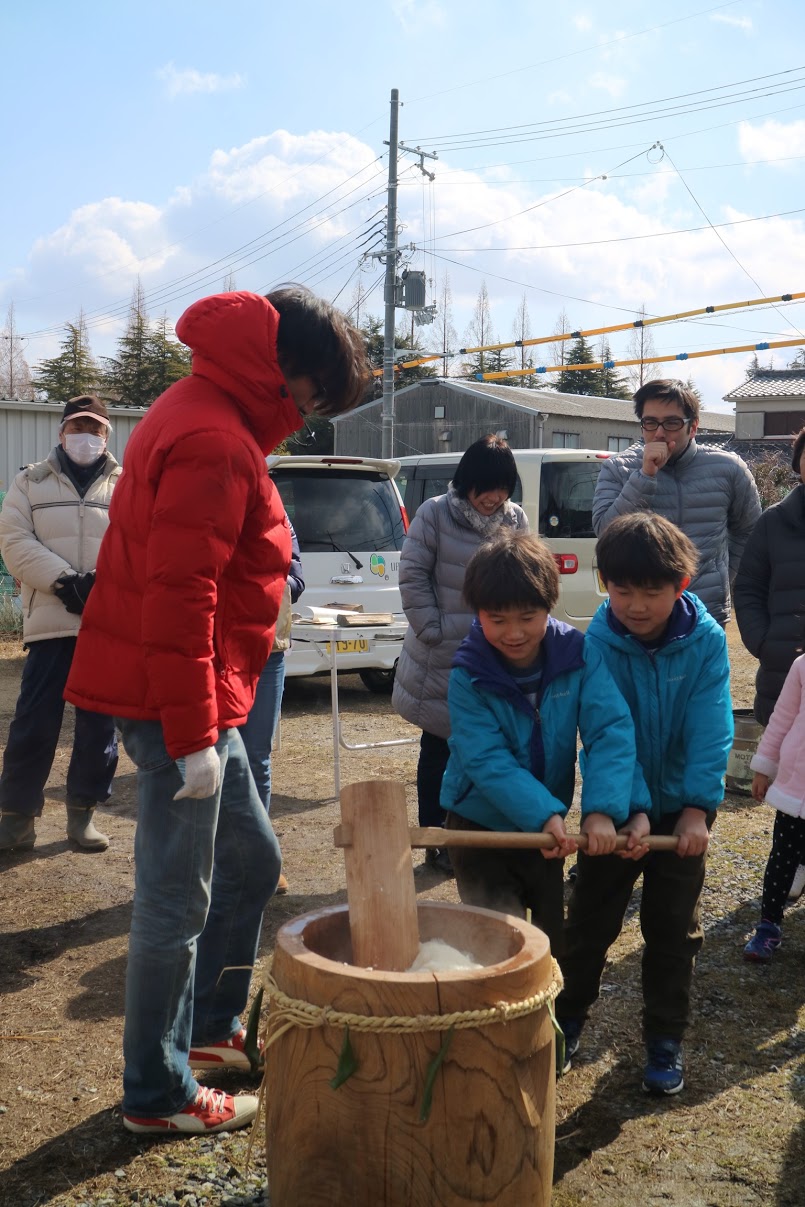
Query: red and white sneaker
point(211, 1111)
point(228, 1054)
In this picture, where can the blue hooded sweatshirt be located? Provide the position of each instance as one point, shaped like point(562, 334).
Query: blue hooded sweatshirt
point(512, 767)
point(679, 698)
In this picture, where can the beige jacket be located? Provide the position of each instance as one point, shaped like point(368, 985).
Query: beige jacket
point(46, 530)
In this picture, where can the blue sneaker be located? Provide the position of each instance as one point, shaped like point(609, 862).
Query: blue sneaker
point(571, 1029)
point(663, 1071)
point(764, 942)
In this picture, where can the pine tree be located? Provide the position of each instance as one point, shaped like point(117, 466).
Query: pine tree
point(373, 334)
point(128, 377)
point(73, 371)
point(582, 381)
point(498, 361)
point(15, 375)
point(690, 384)
point(640, 347)
point(613, 384)
point(168, 359)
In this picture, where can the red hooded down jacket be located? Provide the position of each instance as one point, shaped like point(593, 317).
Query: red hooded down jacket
point(193, 564)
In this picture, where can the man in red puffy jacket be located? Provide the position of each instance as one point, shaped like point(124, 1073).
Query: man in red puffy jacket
point(174, 637)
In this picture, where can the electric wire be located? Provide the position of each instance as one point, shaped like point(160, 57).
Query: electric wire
point(571, 54)
point(232, 260)
point(438, 139)
point(715, 231)
point(685, 230)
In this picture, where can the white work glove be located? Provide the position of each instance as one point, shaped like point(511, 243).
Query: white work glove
point(202, 773)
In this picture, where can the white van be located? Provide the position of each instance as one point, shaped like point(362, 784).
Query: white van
point(350, 521)
point(555, 488)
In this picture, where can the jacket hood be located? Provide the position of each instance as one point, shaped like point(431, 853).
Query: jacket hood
point(562, 650)
point(233, 338)
point(689, 615)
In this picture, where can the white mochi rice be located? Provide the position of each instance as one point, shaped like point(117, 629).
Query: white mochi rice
point(437, 956)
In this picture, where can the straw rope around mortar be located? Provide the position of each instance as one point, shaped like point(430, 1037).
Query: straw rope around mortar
point(289, 1012)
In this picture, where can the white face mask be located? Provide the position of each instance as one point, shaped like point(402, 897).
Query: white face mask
point(84, 448)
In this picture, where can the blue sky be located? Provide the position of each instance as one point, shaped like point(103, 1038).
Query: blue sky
point(179, 142)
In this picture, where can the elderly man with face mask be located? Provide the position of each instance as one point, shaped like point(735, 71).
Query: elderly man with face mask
point(51, 526)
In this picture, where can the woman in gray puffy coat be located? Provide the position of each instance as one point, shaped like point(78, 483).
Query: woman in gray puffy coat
point(444, 534)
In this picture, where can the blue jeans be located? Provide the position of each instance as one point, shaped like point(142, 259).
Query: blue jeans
point(204, 872)
point(261, 723)
point(34, 735)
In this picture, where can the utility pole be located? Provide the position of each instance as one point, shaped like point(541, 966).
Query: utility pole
point(390, 286)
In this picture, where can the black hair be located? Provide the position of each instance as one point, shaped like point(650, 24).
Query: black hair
point(796, 450)
point(488, 464)
point(515, 570)
point(645, 550)
point(316, 340)
point(667, 390)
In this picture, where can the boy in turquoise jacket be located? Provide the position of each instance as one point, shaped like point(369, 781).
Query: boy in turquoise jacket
point(668, 658)
point(521, 687)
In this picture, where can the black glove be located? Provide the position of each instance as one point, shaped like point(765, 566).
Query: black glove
point(73, 590)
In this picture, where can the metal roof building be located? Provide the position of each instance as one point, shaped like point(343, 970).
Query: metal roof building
point(769, 404)
point(439, 415)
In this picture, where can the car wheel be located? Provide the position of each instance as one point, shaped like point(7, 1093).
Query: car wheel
point(377, 680)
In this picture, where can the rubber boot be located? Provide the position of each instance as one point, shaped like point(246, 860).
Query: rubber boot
point(17, 831)
point(81, 828)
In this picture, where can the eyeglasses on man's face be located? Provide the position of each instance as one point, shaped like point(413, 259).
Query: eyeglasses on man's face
point(674, 424)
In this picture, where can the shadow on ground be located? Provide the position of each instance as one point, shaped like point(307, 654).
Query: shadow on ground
point(25, 950)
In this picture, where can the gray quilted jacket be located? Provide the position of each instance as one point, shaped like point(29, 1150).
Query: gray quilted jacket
point(434, 557)
point(708, 493)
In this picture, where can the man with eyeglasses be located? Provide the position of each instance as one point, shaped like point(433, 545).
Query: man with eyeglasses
point(706, 491)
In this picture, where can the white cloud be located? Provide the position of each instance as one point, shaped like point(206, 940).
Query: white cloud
point(416, 15)
point(187, 80)
point(582, 23)
point(612, 84)
point(744, 23)
point(263, 197)
point(771, 139)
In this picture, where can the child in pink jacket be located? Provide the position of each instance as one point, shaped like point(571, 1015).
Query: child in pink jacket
point(781, 757)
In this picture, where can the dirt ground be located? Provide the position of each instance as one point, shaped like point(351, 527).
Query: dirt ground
point(734, 1138)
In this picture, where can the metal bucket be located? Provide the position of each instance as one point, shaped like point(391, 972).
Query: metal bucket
point(747, 736)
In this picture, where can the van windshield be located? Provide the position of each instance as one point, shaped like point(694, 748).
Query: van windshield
point(566, 498)
point(340, 510)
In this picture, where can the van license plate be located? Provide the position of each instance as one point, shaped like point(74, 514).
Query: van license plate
point(349, 647)
point(601, 584)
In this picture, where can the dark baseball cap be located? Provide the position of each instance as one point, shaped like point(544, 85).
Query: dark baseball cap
point(86, 404)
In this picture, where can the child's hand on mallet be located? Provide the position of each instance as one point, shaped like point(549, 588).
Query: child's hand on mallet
point(692, 832)
point(600, 831)
point(760, 786)
point(565, 845)
point(636, 829)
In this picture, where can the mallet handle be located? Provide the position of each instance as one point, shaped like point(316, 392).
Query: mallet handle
point(433, 836)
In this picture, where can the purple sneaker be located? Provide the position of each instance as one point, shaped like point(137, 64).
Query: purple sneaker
point(764, 942)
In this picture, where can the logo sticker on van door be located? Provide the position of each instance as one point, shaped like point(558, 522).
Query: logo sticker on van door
point(377, 565)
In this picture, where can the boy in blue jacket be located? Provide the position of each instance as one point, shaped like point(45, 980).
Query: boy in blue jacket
point(521, 686)
point(669, 659)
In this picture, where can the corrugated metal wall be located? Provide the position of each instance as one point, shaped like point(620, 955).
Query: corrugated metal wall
point(466, 418)
point(29, 430)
